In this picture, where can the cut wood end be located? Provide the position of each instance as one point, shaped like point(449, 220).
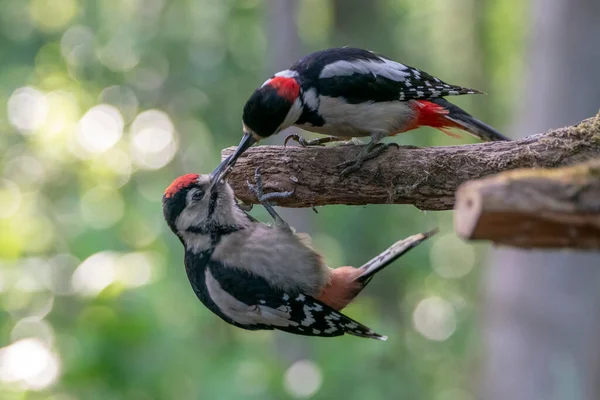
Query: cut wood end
point(468, 207)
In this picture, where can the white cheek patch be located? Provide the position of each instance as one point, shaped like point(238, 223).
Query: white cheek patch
point(311, 99)
point(292, 115)
point(196, 242)
point(191, 216)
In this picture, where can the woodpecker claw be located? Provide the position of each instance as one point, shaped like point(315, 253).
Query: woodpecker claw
point(295, 137)
point(263, 199)
point(371, 151)
point(307, 143)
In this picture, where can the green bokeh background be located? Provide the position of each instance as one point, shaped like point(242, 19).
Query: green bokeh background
point(104, 102)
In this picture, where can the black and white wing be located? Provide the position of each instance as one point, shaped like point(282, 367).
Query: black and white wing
point(250, 302)
point(361, 76)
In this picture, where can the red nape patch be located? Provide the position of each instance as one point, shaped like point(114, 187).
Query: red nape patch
point(287, 88)
point(181, 183)
point(434, 115)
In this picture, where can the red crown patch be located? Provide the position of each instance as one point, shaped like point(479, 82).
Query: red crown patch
point(181, 183)
point(287, 88)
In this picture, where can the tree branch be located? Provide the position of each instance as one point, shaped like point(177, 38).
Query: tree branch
point(426, 177)
point(533, 207)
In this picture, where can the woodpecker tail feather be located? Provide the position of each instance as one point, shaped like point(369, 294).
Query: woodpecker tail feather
point(459, 118)
point(391, 254)
point(347, 282)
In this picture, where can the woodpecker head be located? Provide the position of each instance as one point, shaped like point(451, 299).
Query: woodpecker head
point(271, 107)
point(195, 205)
point(274, 106)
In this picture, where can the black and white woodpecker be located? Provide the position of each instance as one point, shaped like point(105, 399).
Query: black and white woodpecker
point(258, 276)
point(349, 92)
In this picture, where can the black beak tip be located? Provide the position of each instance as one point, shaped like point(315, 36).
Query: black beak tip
point(227, 164)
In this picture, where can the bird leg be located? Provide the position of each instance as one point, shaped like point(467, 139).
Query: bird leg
point(263, 198)
point(314, 142)
point(372, 150)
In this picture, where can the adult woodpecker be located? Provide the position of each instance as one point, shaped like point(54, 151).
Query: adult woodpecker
point(258, 276)
point(349, 92)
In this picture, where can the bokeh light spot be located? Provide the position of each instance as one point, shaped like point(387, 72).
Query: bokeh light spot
point(51, 16)
point(434, 318)
point(303, 379)
point(27, 109)
point(153, 141)
point(451, 257)
point(95, 273)
point(30, 363)
point(102, 269)
point(100, 128)
point(135, 269)
point(119, 53)
point(77, 45)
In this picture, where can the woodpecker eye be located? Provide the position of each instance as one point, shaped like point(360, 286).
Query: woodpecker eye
point(198, 195)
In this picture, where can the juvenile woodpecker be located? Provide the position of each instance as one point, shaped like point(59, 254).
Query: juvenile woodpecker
point(258, 276)
point(349, 92)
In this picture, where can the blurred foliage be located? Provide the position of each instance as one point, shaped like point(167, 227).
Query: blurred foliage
point(104, 102)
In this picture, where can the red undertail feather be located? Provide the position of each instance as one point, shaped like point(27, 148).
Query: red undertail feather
point(342, 287)
point(434, 115)
point(287, 88)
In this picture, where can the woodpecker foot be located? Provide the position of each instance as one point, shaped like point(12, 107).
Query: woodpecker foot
point(369, 152)
point(306, 143)
point(245, 206)
point(263, 198)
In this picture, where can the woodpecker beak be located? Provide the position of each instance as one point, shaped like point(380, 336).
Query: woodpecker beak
point(247, 141)
point(224, 168)
point(221, 172)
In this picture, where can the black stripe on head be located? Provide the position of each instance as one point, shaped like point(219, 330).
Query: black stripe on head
point(212, 202)
point(172, 206)
point(265, 111)
point(174, 199)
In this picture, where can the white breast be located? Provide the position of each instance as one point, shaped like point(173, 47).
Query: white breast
point(347, 120)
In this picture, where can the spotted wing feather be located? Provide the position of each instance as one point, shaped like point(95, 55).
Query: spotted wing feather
point(267, 306)
point(360, 76)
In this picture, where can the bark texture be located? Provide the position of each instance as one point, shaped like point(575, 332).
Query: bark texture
point(533, 208)
point(425, 177)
